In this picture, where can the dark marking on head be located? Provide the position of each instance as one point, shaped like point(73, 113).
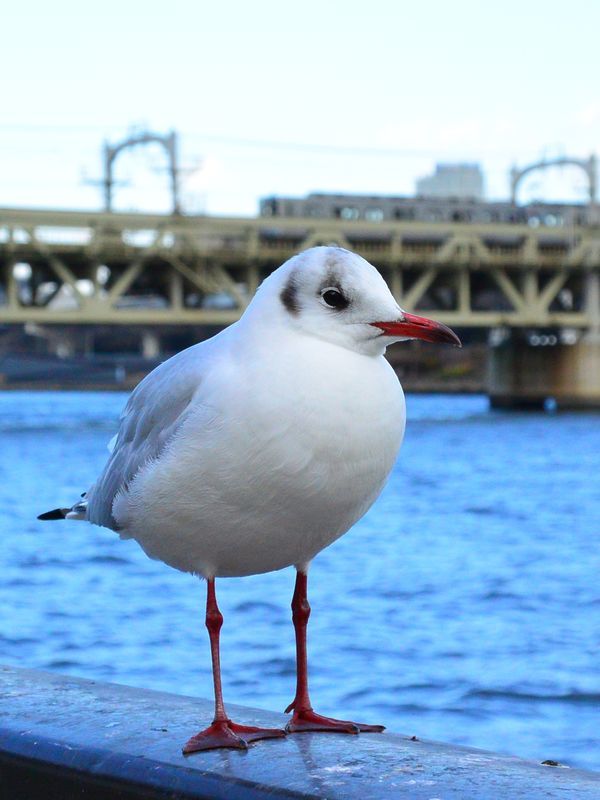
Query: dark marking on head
point(333, 278)
point(335, 267)
point(289, 296)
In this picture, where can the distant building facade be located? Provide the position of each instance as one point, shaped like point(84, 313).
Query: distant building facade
point(463, 181)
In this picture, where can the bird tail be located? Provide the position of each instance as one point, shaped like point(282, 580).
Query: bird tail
point(77, 511)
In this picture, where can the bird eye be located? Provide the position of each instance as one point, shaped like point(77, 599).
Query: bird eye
point(333, 298)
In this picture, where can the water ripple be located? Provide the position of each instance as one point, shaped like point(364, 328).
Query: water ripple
point(463, 607)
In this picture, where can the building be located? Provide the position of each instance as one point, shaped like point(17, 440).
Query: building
point(463, 181)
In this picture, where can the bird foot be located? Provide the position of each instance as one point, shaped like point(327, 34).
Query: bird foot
point(308, 720)
point(225, 733)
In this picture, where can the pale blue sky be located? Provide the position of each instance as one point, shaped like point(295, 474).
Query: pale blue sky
point(396, 86)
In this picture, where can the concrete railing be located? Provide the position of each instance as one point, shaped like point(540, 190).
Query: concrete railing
point(63, 738)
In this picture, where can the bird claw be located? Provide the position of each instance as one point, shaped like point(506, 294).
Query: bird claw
point(308, 720)
point(230, 735)
point(251, 734)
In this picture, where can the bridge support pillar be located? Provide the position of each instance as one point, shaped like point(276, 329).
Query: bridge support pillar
point(521, 375)
point(150, 344)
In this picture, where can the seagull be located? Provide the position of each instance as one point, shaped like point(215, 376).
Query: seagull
point(255, 449)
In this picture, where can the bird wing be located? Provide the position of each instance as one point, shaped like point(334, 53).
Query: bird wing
point(155, 411)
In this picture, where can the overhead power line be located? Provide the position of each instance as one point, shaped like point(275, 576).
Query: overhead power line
point(223, 139)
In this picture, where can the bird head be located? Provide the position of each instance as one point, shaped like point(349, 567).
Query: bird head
point(337, 295)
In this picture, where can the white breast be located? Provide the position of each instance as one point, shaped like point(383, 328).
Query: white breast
point(282, 456)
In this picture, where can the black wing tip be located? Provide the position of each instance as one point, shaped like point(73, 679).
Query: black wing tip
point(56, 513)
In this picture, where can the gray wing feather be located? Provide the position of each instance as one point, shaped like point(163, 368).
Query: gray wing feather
point(157, 408)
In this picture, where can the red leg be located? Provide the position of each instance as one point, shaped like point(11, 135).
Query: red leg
point(222, 732)
point(304, 718)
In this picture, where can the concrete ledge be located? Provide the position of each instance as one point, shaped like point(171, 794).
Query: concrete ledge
point(63, 738)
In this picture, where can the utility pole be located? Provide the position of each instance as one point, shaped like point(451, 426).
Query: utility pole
point(169, 142)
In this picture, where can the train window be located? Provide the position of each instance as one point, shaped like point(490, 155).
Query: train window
point(461, 216)
point(349, 212)
point(374, 214)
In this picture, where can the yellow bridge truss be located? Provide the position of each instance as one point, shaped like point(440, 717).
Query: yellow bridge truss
point(108, 268)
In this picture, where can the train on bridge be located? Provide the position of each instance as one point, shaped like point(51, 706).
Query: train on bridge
point(454, 194)
point(384, 208)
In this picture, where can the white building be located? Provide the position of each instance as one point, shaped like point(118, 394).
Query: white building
point(463, 181)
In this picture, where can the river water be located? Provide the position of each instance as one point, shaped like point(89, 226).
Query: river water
point(464, 607)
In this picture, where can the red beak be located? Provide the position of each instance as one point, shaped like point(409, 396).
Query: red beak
point(413, 327)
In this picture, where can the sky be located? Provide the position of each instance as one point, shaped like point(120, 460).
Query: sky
point(288, 98)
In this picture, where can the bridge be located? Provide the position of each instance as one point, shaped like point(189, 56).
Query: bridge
point(530, 286)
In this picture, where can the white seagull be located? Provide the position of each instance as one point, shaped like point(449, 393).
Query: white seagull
point(254, 450)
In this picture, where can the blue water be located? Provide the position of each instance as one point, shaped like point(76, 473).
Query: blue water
point(464, 607)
